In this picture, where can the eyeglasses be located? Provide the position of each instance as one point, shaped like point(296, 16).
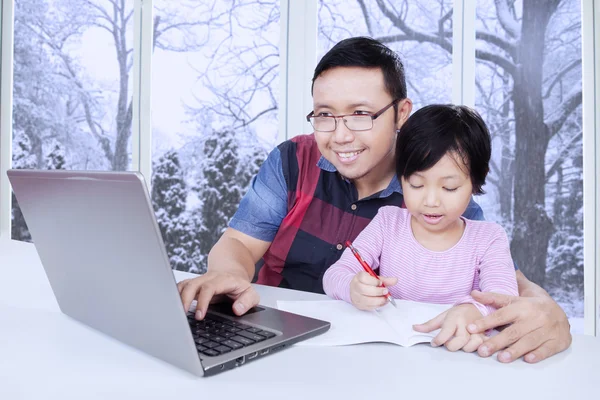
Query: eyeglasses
point(354, 122)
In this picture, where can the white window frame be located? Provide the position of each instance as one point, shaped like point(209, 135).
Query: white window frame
point(591, 164)
point(141, 129)
point(297, 61)
point(6, 97)
point(463, 52)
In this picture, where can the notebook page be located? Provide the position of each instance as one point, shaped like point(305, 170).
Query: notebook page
point(348, 324)
point(407, 314)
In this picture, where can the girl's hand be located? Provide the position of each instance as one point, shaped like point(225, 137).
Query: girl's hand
point(366, 291)
point(454, 334)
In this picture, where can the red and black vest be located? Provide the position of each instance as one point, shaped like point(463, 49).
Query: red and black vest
point(323, 211)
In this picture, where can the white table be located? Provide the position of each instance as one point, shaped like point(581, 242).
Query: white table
point(46, 355)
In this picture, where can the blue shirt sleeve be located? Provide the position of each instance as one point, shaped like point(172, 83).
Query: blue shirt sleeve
point(474, 211)
point(264, 206)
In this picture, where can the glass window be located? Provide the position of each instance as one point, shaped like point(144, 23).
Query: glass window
point(528, 78)
point(72, 87)
point(214, 116)
point(421, 32)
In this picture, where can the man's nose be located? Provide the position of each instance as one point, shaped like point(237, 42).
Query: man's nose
point(342, 134)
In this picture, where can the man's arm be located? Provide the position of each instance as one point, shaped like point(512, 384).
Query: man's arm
point(232, 259)
point(539, 327)
point(230, 269)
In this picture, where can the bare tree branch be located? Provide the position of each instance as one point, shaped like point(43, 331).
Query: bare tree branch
point(564, 110)
point(413, 35)
point(560, 75)
point(510, 25)
point(365, 13)
point(565, 152)
point(497, 41)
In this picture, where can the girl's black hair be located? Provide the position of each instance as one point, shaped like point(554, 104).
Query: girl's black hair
point(433, 131)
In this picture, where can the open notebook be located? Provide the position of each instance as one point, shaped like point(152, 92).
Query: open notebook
point(351, 326)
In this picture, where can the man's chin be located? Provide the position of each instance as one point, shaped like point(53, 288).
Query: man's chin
point(351, 174)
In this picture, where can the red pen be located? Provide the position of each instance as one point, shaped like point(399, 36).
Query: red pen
point(368, 269)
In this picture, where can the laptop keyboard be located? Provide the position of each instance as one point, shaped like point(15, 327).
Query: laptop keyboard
point(215, 335)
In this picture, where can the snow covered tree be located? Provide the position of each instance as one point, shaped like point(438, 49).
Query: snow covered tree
point(168, 195)
point(227, 170)
point(22, 159)
point(56, 157)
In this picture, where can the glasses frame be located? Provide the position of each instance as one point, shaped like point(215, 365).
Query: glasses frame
point(374, 116)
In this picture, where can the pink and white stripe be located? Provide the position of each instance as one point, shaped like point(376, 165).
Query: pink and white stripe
point(480, 260)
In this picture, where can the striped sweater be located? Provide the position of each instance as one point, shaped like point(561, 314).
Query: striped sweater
point(480, 260)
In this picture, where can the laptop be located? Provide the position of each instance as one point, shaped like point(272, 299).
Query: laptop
point(101, 248)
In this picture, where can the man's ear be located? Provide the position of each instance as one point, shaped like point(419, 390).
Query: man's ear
point(404, 110)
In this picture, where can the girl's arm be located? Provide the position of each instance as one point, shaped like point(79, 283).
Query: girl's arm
point(496, 270)
point(336, 281)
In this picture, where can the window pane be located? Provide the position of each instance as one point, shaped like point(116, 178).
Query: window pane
point(535, 188)
point(72, 87)
point(428, 62)
point(214, 115)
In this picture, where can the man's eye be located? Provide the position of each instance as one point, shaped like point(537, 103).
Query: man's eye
point(450, 189)
point(323, 114)
point(361, 112)
point(415, 186)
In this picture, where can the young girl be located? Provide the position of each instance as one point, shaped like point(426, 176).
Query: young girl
point(428, 252)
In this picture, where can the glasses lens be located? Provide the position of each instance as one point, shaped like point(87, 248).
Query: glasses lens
point(323, 124)
point(359, 122)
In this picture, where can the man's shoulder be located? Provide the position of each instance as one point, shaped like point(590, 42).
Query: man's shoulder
point(300, 150)
point(305, 141)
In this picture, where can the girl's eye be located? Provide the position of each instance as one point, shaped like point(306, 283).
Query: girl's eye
point(415, 186)
point(451, 190)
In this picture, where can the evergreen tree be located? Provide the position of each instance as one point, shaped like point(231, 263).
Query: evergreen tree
point(227, 170)
point(22, 159)
point(56, 157)
point(169, 194)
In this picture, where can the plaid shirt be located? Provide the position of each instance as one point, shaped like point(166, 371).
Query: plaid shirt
point(300, 203)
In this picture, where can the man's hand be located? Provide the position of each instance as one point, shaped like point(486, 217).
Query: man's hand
point(453, 333)
point(213, 286)
point(366, 291)
point(539, 327)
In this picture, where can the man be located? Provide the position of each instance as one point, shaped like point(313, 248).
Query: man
point(316, 191)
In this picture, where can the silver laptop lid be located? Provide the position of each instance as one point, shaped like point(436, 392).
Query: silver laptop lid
point(75, 217)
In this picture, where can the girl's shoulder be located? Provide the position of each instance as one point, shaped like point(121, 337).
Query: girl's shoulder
point(484, 230)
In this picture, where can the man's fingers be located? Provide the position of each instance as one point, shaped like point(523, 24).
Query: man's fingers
point(504, 339)
point(474, 342)
point(181, 285)
point(248, 299)
point(432, 324)
point(546, 350)
point(205, 295)
point(495, 300)
point(498, 318)
point(189, 291)
point(524, 345)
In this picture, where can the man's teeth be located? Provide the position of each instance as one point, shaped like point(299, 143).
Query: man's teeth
point(348, 155)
